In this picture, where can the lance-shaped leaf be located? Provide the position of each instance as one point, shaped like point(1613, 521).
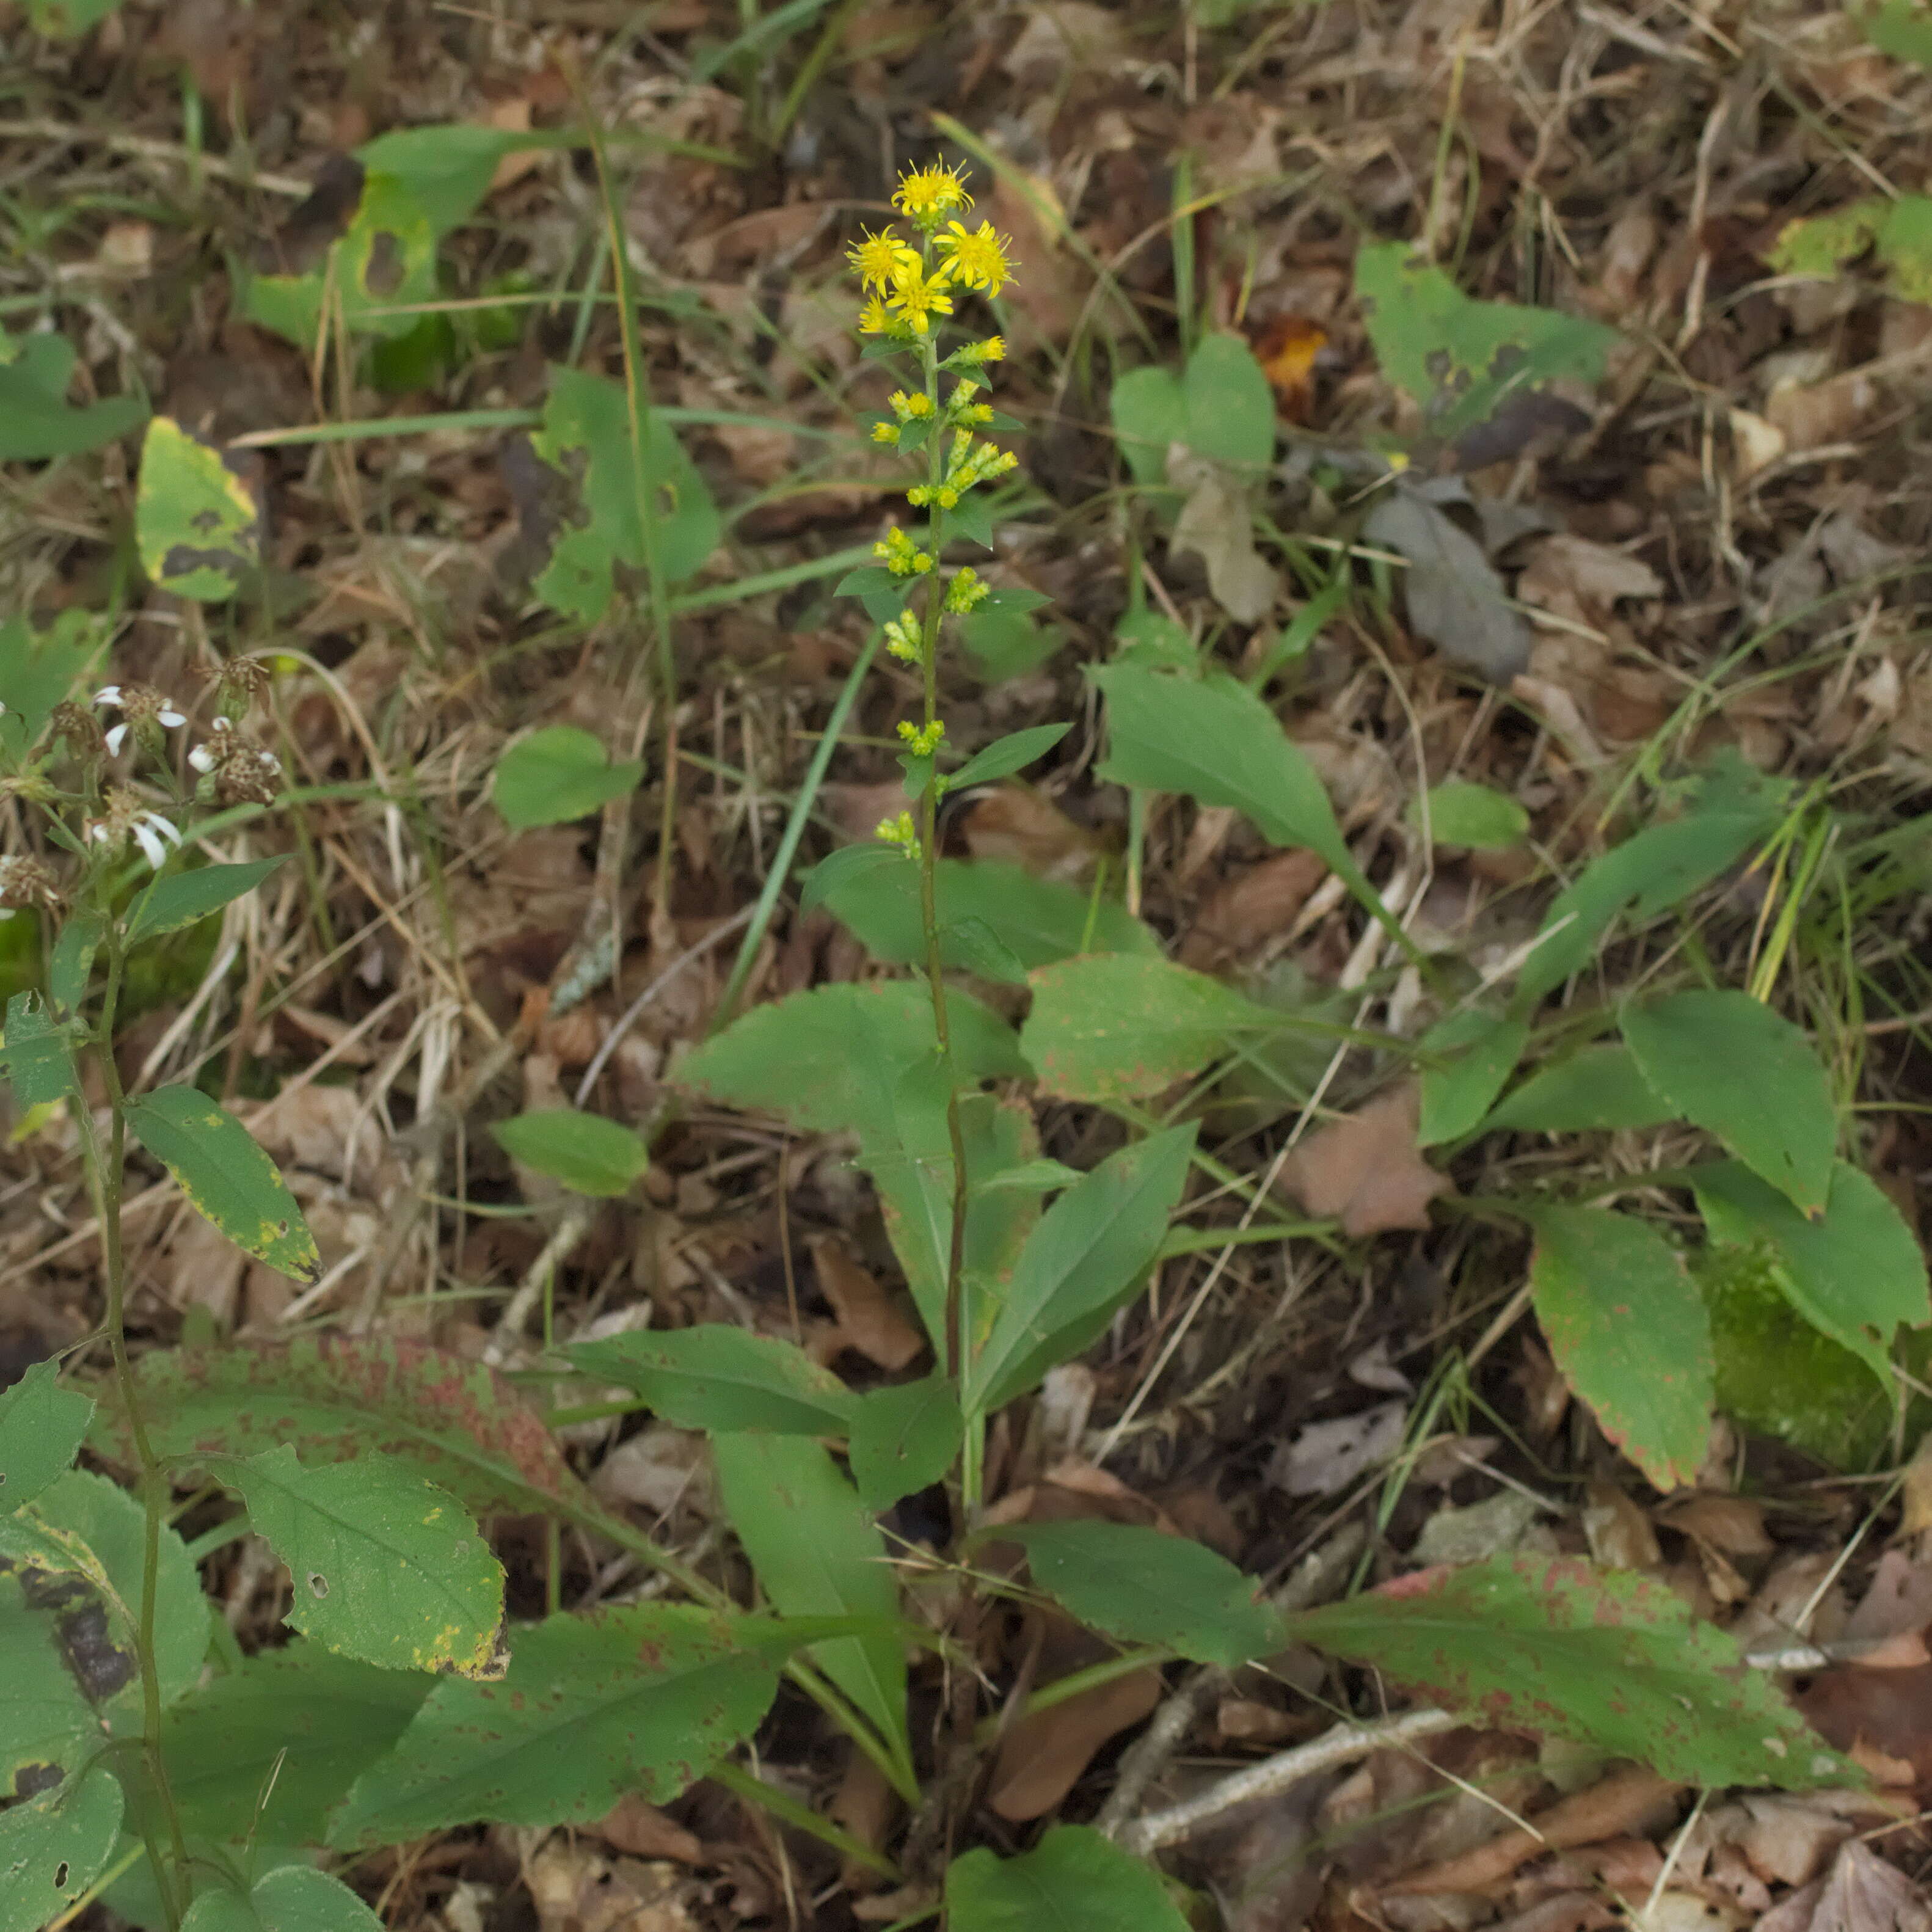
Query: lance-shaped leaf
point(1600, 1086)
point(53, 1848)
point(332, 1399)
point(644, 1700)
point(383, 1565)
point(226, 1176)
point(1630, 1330)
point(586, 1152)
point(182, 898)
point(724, 1379)
point(1609, 1657)
point(42, 1427)
point(1005, 756)
point(197, 524)
point(1484, 1049)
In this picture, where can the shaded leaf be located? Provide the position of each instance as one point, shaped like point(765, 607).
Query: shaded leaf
point(382, 1565)
point(585, 1151)
point(1629, 1330)
point(225, 1176)
point(1461, 813)
point(293, 1898)
point(1902, 28)
point(53, 1849)
point(1456, 1097)
point(1454, 597)
point(182, 898)
point(1149, 414)
point(817, 1553)
point(722, 1379)
point(332, 1398)
point(1731, 1066)
point(1074, 1876)
point(37, 422)
point(1229, 408)
point(849, 863)
point(644, 1698)
point(38, 668)
point(557, 775)
point(42, 1427)
point(904, 1439)
point(1600, 1086)
point(1005, 756)
point(197, 525)
point(1144, 1587)
point(1609, 1657)
point(48, 1729)
point(39, 1057)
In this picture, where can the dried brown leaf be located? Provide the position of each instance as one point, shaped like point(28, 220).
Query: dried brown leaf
point(1259, 904)
point(1365, 1169)
point(869, 1320)
point(1043, 1755)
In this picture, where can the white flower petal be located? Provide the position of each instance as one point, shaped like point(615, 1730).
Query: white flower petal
point(6, 912)
point(152, 849)
point(165, 826)
point(201, 758)
point(117, 737)
point(99, 834)
point(108, 693)
point(222, 724)
point(169, 718)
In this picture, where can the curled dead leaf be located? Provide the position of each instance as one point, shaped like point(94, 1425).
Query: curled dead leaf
point(1365, 1169)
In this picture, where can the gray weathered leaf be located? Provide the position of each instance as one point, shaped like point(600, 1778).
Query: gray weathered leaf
point(1455, 598)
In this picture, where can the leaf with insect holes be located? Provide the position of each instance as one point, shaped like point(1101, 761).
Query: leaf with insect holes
point(37, 423)
point(588, 1153)
point(1856, 1273)
point(904, 1439)
point(53, 1848)
point(383, 1566)
point(182, 898)
point(1731, 1066)
point(1463, 360)
point(197, 525)
point(226, 1176)
point(48, 1730)
point(1609, 1657)
point(1091, 1251)
point(42, 1427)
point(1116, 1027)
point(587, 435)
point(381, 270)
point(722, 1379)
point(1600, 1087)
point(817, 1552)
point(1629, 1329)
point(77, 1550)
point(279, 1739)
point(1143, 1586)
point(39, 1055)
point(332, 1398)
point(557, 775)
point(1031, 921)
point(1074, 1876)
point(1455, 1097)
point(645, 1698)
point(293, 1898)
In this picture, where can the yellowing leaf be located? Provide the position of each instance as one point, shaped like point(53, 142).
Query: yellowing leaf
point(197, 526)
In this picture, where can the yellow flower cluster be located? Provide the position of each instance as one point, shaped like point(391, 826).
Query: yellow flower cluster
point(906, 286)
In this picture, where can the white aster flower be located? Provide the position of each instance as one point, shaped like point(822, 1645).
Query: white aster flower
point(117, 737)
point(153, 834)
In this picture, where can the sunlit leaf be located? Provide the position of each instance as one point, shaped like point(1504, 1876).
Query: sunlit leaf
point(199, 529)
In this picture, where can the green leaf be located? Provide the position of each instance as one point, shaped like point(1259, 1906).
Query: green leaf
point(585, 1151)
point(1461, 813)
point(1003, 644)
point(1005, 756)
point(271, 1746)
point(1855, 1273)
point(1074, 1876)
point(226, 1176)
point(197, 526)
point(38, 669)
point(383, 1566)
point(722, 1379)
point(39, 1056)
point(42, 1427)
point(832, 1059)
point(182, 898)
point(1115, 1027)
point(1144, 1587)
point(1035, 921)
point(293, 1898)
point(1463, 360)
point(332, 1399)
point(1902, 28)
point(37, 421)
point(446, 169)
point(586, 433)
point(904, 1439)
point(1149, 413)
point(72, 966)
point(53, 1849)
point(882, 592)
point(1730, 809)
point(849, 862)
point(559, 774)
point(376, 276)
point(1456, 1097)
point(1899, 233)
point(1629, 1330)
point(644, 1698)
point(78, 1551)
point(1228, 405)
point(1091, 1252)
point(1731, 1066)
point(1609, 1657)
point(817, 1553)
point(1600, 1086)
point(48, 1730)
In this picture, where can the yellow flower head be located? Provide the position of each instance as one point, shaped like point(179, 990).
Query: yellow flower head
point(916, 297)
point(874, 257)
point(977, 257)
point(872, 318)
point(928, 195)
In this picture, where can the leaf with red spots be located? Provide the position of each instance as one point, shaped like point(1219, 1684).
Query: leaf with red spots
point(333, 1400)
point(646, 1699)
point(1630, 1330)
point(1608, 1656)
